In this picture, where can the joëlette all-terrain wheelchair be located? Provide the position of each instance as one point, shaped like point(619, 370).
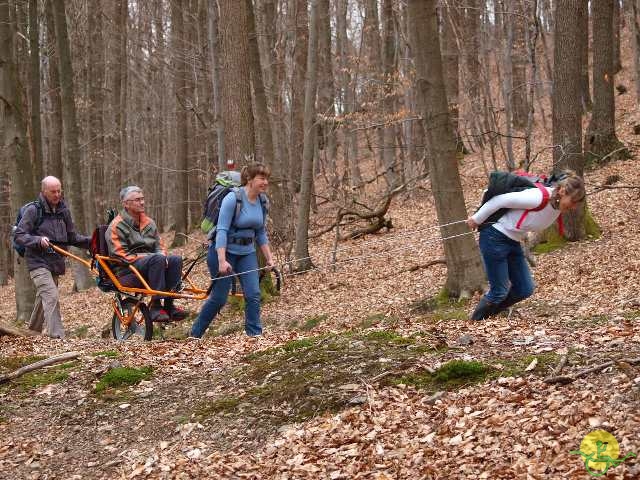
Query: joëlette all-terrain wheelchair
point(130, 305)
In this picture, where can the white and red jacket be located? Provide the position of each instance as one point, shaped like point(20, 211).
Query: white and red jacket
point(524, 214)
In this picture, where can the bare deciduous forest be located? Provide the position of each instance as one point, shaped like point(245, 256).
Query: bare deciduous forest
point(380, 121)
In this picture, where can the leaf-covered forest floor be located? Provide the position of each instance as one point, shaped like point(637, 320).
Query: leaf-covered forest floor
point(353, 378)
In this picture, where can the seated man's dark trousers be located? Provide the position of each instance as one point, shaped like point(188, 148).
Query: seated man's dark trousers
point(161, 273)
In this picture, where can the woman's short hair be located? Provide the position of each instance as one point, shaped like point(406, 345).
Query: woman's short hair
point(249, 172)
point(573, 185)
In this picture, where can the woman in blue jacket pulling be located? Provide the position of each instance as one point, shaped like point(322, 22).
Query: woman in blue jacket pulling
point(233, 251)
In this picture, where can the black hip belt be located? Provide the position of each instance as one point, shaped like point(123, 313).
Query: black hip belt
point(241, 240)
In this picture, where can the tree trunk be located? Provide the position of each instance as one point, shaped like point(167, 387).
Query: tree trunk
point(615, 25)
point(507, 83)
point(519, 102)
point(326, 92)
point(161, 215)
point(72, 181)
point(348, 95)
point(120, 91)
point(389, 104)
point(372, 68)
point(34, 89)
point(636, 47)
point(311, 84)
point(235, 82)
point(14, 143)
point(451, 61)
point(280, 182)
point(54, 165)
point(180, 208)
point(567, 101)
point(601, 138)
point(6, 214)
point(262, 118)
point(464, 268)
point(96, 108)
point(583, 21)
point(300, 33)
point(215, 79)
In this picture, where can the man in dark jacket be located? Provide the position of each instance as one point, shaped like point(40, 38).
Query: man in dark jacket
point(40, 226)
point(134, 238)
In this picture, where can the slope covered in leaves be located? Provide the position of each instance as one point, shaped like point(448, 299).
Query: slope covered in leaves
point(349, 381)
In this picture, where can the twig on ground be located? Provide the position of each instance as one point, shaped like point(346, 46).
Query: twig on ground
point(564, 379)
point(42, 363)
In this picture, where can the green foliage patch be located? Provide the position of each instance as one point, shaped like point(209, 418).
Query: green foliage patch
point(452, 374)
point(122, 376)
point(441, 307)
point(213, 407)
point(312, 322)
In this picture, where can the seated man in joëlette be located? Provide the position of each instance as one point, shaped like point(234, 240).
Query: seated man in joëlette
point(133, 237)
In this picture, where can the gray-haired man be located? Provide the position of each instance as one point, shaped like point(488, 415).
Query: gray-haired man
point(42, 224)
point(133, 237)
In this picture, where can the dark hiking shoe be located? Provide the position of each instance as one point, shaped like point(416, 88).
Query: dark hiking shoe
point(159, 315)
point(484, 309)
point(177, 313)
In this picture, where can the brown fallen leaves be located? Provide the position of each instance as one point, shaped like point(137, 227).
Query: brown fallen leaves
point(586, 307)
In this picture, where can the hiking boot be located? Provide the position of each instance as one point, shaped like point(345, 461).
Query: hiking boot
point(158, 314)
point(484, 309)
point(177, 313)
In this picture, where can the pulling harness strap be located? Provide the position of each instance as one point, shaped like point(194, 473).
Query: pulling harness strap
point(545, 201)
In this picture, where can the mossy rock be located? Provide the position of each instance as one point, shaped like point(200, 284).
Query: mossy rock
point(442, 307)
point(451, 375)
point(309, 376)
point(122, 376)
point(552, 240)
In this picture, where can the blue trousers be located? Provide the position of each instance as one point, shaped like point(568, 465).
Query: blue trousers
point(506, 267)
point(218, 298)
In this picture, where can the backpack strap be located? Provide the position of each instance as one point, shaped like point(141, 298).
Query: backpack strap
point(543, 203)
point(264, 203)
point(238, 193)
point(39, 214)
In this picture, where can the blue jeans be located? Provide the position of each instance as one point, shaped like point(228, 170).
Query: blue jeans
point(218, 298)
point(506, 267)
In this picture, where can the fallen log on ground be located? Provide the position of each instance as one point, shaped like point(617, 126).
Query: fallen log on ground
point(6, 329)
point(63, 357)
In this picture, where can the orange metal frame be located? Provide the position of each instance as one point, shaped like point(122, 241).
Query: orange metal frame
point(190, 292)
